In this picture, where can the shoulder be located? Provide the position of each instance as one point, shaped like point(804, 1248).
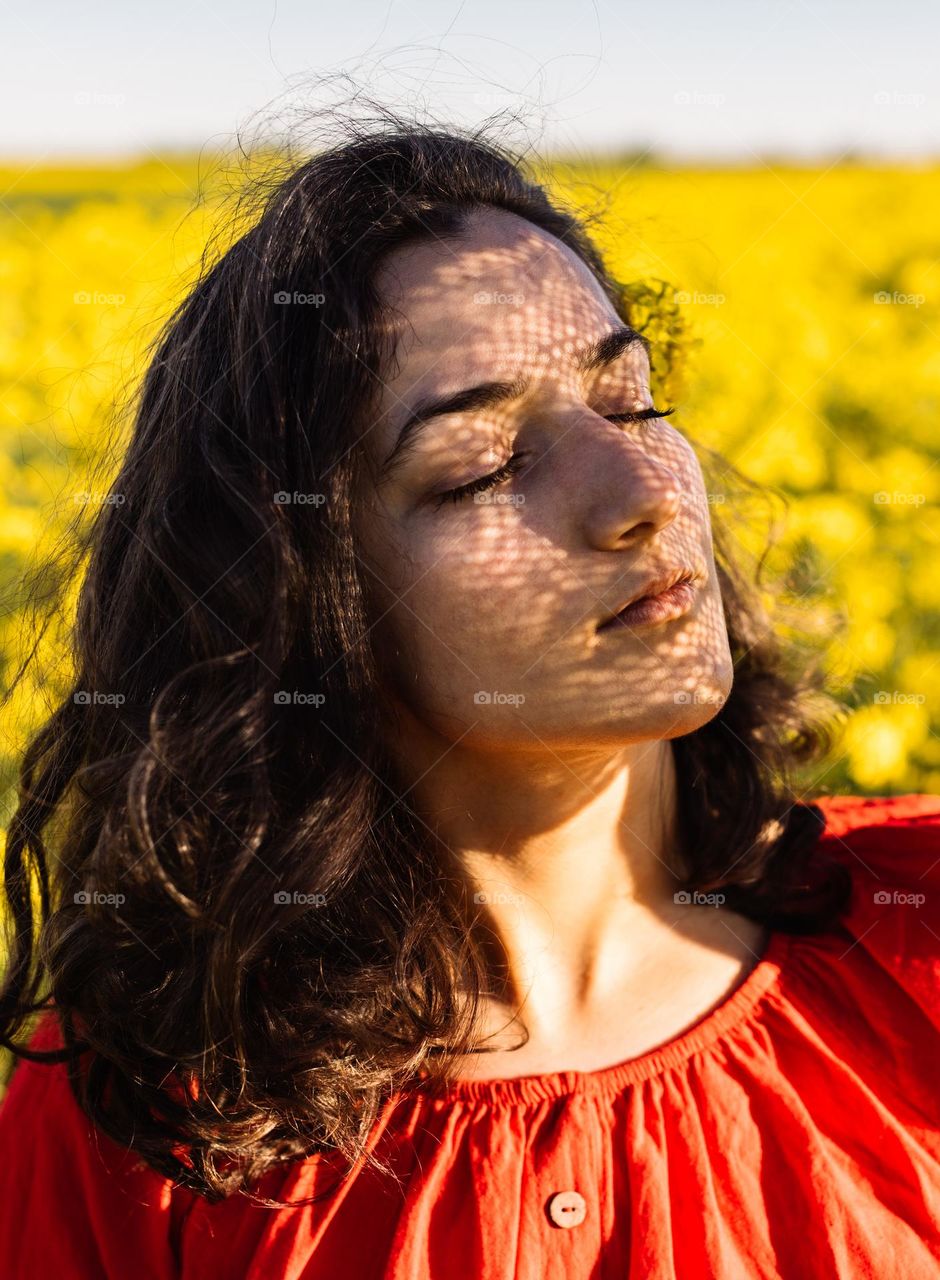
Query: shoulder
point(889, 839)
point(891, 848)
point(912, 811)
point(71, 1199)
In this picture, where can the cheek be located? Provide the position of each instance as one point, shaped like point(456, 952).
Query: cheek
point(465, 609)
point(466, 579)
point(431, 588)
point(681, 457)
point(695, 513)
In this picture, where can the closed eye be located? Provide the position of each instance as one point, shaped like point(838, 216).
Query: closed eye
point(515, 462)
point(641, 415)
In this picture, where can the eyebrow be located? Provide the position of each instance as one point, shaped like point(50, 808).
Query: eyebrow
point(486, 395)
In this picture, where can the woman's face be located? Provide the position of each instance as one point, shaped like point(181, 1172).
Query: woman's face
point(487, 608)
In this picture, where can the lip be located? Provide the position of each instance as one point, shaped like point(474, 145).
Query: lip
point(666, 596)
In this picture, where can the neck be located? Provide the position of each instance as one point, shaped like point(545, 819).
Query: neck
point(566, 861)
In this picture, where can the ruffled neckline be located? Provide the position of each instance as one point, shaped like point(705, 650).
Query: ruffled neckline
point(734, 1010)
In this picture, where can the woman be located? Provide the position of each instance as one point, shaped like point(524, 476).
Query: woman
point(435, 899)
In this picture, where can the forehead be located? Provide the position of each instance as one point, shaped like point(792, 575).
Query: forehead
point(504, 298)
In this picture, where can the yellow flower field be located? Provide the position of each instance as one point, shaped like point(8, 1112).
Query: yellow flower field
point(806, 306)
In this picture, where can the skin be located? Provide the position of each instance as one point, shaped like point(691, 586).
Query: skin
point(559, 809)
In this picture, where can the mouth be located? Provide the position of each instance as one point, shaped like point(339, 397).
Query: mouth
point(664, 598)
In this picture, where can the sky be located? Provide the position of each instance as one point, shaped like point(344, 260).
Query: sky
point(680, 79)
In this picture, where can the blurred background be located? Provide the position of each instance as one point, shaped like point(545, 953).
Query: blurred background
point(768, 170)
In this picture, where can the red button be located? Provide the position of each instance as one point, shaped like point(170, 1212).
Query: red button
point(567, 1208)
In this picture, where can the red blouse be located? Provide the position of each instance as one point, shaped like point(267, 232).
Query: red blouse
point(792, 1132)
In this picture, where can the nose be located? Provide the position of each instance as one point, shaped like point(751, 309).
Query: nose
point(637, 495)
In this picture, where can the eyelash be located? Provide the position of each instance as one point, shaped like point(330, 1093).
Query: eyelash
point(509, 468)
